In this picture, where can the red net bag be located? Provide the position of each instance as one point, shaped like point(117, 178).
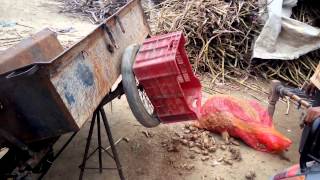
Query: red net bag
point(243, 119)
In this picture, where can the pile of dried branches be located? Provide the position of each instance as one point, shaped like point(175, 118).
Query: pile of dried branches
point(221, 35)
point(95, 10)
point(307, 12)
point(295, 72)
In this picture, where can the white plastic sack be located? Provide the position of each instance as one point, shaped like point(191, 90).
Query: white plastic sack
point(282, 37)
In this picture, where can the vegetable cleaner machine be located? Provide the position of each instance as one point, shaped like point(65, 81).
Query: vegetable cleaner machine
point(46, 91)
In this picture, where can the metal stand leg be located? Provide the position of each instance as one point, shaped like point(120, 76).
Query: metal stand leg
point(113, 148)
point(99, 143)
point(83, 165)
point(100, 113)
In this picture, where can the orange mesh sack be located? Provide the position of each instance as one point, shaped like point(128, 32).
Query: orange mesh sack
point(243, 119)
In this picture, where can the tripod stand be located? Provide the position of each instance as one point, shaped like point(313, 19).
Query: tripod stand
point(98, 115)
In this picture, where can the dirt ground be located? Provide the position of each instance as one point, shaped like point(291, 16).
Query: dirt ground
point(35, 15)
point(144, 158)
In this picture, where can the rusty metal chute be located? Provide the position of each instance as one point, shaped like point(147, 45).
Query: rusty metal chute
point(46, 92)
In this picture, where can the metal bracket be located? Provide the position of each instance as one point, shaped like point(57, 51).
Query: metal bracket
point(23, 71)
point(120, 24)
point(112, 95)
point(107, 29)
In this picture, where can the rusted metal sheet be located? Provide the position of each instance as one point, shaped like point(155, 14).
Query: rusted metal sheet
point(84, 74)
point(28, 110)
point(39, 48)
point(52, 97)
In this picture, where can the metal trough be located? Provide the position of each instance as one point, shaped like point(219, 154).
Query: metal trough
point(45, 91)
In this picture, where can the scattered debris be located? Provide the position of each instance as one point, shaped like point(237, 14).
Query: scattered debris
point(171, 161)
point(215, 163)
point(196, 150)
point(12, 36)
point(206, 158)
point(178, 135)
point(212, 149)
point(115, 143)
point(205, 152)
point(194, 137)
point(147, 133)
point(164, 143)
point(191, 144)
point(202, 143)
point(185, 142)
point(225, 137)
point(96, 10)
point(235, 153)
point(187, 131)
point(187, 166)
point(223, 147)
point(64, 30)
point(234, 142)
point(227, 161)
point(220, 159)
point(172, 148)
point(126, 139)
point(135, 147)
point(251, 175)
point(192, 156)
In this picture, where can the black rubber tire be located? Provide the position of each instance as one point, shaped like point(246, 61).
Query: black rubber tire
point(131, 89)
